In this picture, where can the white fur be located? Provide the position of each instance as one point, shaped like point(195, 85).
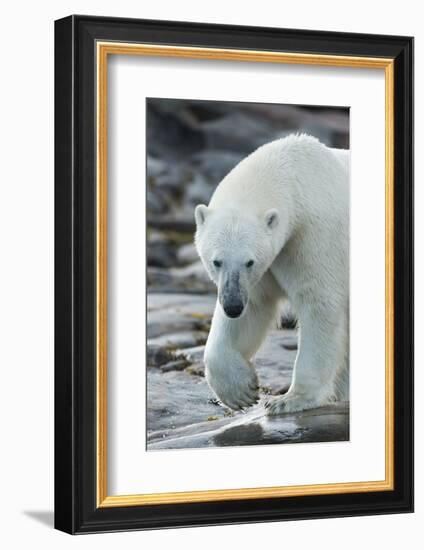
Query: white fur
point(285, 207)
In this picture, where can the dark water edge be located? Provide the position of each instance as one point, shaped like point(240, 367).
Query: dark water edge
point(327, 424)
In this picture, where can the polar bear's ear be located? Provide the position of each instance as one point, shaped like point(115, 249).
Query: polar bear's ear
point(201, 213)
point(271, 218)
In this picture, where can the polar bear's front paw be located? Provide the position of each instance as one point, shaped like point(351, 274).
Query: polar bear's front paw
point(288, 404)
point(236, 386)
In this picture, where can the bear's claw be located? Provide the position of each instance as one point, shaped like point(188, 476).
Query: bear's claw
point(287, 403)
point(236, 387)
point(243, 401)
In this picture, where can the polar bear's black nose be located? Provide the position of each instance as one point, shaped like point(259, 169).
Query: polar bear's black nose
point(233, 310)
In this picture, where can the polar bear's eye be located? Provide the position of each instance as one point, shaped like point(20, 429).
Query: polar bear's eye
point(217, 263)
point(250, 263)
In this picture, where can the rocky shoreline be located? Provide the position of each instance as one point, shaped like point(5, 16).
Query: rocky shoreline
point(182, 411)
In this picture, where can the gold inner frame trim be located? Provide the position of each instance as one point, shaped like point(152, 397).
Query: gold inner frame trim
point(103, 50)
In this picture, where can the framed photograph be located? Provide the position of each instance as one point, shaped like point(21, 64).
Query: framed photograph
point(234, 274)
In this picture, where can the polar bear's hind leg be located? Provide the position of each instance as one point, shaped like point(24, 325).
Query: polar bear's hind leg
point(319, 376)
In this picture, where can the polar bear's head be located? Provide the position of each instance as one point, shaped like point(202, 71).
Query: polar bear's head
point(236, 249)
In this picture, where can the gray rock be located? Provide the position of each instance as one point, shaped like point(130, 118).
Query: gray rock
point(193, 355)
point(189, 304)
point(173, 313)
point(215, 164)
point(199, 191)
point(179, 364)
point(187, 254)
point(198, 369)
point(157, 277)
point(179, 340)
point(156, 202)
point(177, 399)
point(274, 363)
point(289, 342)
point(190, 279)
point(237, 131)
point(158, 355)
point(160, 323)
point(155, 167)
point(194, 271)
point(175, 222)
point(172, 132)
point(161, 254)
point(174, 179)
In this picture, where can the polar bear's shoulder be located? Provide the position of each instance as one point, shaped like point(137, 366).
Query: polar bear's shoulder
point(295, 146)
point(295, 153)
point(292, 143)
point(258, 180)
point(289, 150)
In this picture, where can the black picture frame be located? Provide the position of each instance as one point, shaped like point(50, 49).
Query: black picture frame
point(76, 508)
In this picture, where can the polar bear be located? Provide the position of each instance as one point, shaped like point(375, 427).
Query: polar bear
point(277, 227)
